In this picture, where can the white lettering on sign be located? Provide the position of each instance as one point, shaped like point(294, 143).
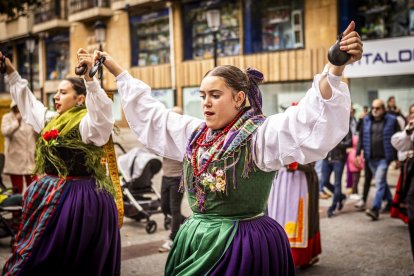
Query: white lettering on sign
point(384, 57)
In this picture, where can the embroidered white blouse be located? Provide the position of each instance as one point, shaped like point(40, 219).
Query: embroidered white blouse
point(303, 133)
point(95, 127)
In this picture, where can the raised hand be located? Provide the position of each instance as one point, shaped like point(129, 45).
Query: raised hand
point(5, 64)
point(351, 43)
point(84, 63)
point(109, 62)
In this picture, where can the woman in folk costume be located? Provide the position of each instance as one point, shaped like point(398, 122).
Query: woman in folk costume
point(230, 161)
point(70, 222)
point(294, 203)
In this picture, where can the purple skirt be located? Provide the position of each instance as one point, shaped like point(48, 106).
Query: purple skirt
point(268, 240)
point(80, 238)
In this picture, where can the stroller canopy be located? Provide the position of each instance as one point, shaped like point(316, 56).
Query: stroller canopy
point(134, 161)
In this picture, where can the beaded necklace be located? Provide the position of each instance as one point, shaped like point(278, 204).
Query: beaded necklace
point(199, 143)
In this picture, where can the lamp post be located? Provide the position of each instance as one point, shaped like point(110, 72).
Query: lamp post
point(30, 45)
point(213, 22)
point(100, 36)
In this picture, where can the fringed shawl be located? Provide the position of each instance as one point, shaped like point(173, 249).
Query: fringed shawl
point(67, 126)
point(228, 156)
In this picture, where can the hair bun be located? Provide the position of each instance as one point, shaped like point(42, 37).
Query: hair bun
point(255, 75)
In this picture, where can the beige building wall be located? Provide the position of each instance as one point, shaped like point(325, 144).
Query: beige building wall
point(320, 31)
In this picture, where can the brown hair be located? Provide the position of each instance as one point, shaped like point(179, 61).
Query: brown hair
point(78, 85)
point(239, 81)
point(232, 76)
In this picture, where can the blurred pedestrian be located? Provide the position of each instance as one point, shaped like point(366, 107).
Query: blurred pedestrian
point(294, 204)
point(406, 157)
point(355, 168)
point(19, 149)
point(171, 197)
point(404, 141)
point(375, 142)
point(335, 162)
point(353, 126)
point(396, 111)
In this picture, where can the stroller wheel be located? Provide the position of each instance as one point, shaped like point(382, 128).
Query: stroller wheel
point(167, 223)
point(151, 227)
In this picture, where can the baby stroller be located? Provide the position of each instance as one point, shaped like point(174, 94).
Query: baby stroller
point(141, 199)
point(10, 209)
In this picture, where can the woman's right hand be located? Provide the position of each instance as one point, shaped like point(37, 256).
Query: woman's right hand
point(84, 58)
point(109, 63)
point(9, 66)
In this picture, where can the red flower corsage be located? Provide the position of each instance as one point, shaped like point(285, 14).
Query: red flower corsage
point(293, 166)
point(51, 136)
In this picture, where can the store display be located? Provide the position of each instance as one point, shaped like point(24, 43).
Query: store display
point(385, 19)
point(152, 37)
point(281, 28)
point(228, 37)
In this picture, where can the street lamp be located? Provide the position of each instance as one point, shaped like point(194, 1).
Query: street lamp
point(30, 45)
point(100, 36)
point(213, 22)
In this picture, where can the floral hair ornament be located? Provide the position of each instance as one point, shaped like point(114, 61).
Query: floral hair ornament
point(50, 137)
point(254, 95)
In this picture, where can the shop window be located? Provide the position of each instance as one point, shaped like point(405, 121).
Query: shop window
point(165, 96)
point(198, 38)
point(150, 38)
point(50, 101)
point(279, 96)
point(57, 57)
point(192, 102)
point(379, 19)
point(23, 63)
point(273, 25)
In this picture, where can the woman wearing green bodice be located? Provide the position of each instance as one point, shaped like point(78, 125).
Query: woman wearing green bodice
point(231, 157)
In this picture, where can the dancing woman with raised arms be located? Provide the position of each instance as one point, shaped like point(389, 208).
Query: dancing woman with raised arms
point(231, 157)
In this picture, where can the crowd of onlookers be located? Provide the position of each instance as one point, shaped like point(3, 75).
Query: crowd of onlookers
point(380, 137)
point(367, 149)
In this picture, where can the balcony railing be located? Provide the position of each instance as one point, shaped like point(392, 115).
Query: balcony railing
point(50, 10)
point(80, 5)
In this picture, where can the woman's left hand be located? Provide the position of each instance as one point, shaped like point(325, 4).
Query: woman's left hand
point(351, 43)
point(84, 58)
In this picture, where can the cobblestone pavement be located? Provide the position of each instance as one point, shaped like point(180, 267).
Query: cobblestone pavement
point(352, 244)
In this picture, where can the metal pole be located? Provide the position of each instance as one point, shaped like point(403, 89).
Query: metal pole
point(215, 48)
point(31, 71)
point(100, 49)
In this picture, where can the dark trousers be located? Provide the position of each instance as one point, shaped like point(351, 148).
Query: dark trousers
point(367, 182)
point(410, 211)
point(337, 167)
point(171, 202)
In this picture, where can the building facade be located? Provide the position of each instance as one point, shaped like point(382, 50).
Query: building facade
point(169, 45)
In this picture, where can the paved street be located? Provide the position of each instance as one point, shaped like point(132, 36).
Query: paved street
point(352, 244)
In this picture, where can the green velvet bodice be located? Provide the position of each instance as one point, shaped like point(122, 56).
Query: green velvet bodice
point(244, 198)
